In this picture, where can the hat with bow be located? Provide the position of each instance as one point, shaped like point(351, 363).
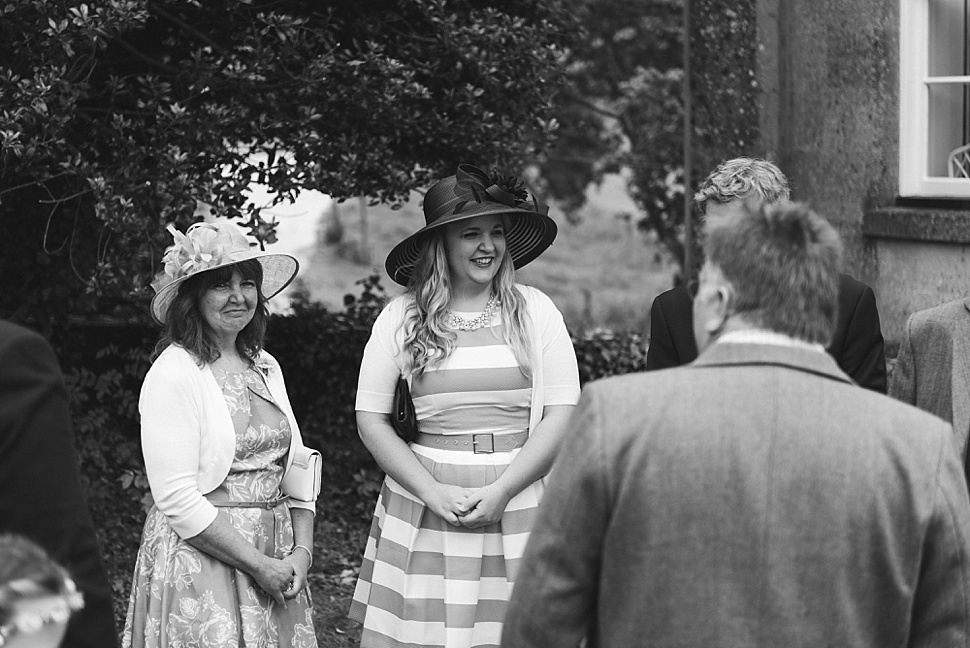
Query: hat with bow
point(469, 193)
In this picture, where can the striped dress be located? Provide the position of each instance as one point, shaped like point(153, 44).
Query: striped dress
point(424, 582)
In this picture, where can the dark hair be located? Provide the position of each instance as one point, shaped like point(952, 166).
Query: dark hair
point(783, 263)
point(186, 327)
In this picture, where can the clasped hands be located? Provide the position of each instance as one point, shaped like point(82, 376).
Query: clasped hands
point(285, 578)
point(468, 507)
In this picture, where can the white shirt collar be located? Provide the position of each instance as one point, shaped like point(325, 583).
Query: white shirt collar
point(764, 336)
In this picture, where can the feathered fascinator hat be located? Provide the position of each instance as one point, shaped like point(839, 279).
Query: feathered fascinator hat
point(469, 193)
point(207, 246)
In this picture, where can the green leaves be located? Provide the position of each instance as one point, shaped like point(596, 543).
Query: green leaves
point(622, 110)
point(116, 117)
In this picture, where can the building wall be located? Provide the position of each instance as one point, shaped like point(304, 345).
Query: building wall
point(814, 86)
point(829, 115)
point(833, 126)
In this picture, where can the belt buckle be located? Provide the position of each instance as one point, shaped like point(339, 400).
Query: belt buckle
point(269, 504)
point(490, 443)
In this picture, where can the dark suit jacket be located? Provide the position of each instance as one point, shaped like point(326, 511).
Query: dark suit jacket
point(753, 498)
point(41, 496)
point(857, 343)
point(933, 366)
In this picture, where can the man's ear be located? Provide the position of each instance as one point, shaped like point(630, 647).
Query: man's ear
point(722, 296)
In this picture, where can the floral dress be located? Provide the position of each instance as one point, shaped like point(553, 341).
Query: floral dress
point(182, 597)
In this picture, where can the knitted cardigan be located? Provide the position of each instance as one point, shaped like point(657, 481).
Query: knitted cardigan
point(188, 439)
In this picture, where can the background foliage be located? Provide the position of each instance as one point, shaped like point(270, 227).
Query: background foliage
point(622, 108)
point(118, 117)
point(724, 84)
point(622, 111)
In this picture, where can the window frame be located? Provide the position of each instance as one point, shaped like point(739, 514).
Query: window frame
point(914, 84)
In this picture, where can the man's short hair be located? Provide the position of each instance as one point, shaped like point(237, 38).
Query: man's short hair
point(783, 263)
point(742, 178)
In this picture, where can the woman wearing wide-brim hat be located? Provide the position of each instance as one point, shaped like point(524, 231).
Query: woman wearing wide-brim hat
point(494, 379)
point(227, 545)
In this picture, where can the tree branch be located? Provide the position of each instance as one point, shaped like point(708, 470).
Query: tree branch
point(33, 182)
point(190, 29)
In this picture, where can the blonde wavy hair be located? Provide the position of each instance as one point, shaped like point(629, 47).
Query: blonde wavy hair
point(427, 337)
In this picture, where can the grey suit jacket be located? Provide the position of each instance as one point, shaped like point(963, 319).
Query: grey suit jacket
point(933, 366)
point(753, 498)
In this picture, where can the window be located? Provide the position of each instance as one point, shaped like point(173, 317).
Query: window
point(934, 98)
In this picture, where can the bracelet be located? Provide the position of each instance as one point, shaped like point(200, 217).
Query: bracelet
point(308, 553)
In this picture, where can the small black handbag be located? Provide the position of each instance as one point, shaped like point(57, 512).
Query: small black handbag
point(403, 419)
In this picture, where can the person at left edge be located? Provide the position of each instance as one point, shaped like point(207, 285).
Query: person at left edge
point(41, 497)
point(224, 554)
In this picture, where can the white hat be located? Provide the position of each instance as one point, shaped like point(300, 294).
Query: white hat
point(207, 246)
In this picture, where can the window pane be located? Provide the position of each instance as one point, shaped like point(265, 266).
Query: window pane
point(947, 38)
point(946, 126)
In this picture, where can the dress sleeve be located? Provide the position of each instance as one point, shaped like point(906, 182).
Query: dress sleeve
point(378, 369)
point(171, 438)
point(560, 372)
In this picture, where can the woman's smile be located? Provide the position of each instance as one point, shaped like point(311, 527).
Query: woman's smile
point(474, 248)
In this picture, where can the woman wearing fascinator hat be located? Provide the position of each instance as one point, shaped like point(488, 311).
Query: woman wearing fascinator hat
point(226, 548)
point(493, 378)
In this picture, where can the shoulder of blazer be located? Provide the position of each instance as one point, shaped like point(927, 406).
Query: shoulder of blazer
point(676, 304)
point(10, 331)
point(948, 314)
point(851, 291)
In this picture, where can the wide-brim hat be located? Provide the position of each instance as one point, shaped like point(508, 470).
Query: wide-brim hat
point(208, 246)
point(469, 193)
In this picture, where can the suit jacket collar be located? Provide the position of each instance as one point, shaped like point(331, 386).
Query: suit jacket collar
point(735, 354)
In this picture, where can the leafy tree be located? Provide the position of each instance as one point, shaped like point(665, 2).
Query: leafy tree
point(623, 111)
point(623, 108)
point(117, 116)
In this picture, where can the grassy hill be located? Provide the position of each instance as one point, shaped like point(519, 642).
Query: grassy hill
point(601, 271)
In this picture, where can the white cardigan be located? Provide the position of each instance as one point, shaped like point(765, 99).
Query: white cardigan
point(188, 439)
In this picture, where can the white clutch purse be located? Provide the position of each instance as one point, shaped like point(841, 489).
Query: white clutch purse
point(302, 480)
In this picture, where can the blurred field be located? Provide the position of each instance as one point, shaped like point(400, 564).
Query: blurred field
point(601, 272)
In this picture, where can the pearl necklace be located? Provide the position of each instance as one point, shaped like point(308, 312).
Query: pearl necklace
point(485, 319)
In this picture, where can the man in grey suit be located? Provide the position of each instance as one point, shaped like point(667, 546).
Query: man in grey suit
point(933, 366)
point(754, 497)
